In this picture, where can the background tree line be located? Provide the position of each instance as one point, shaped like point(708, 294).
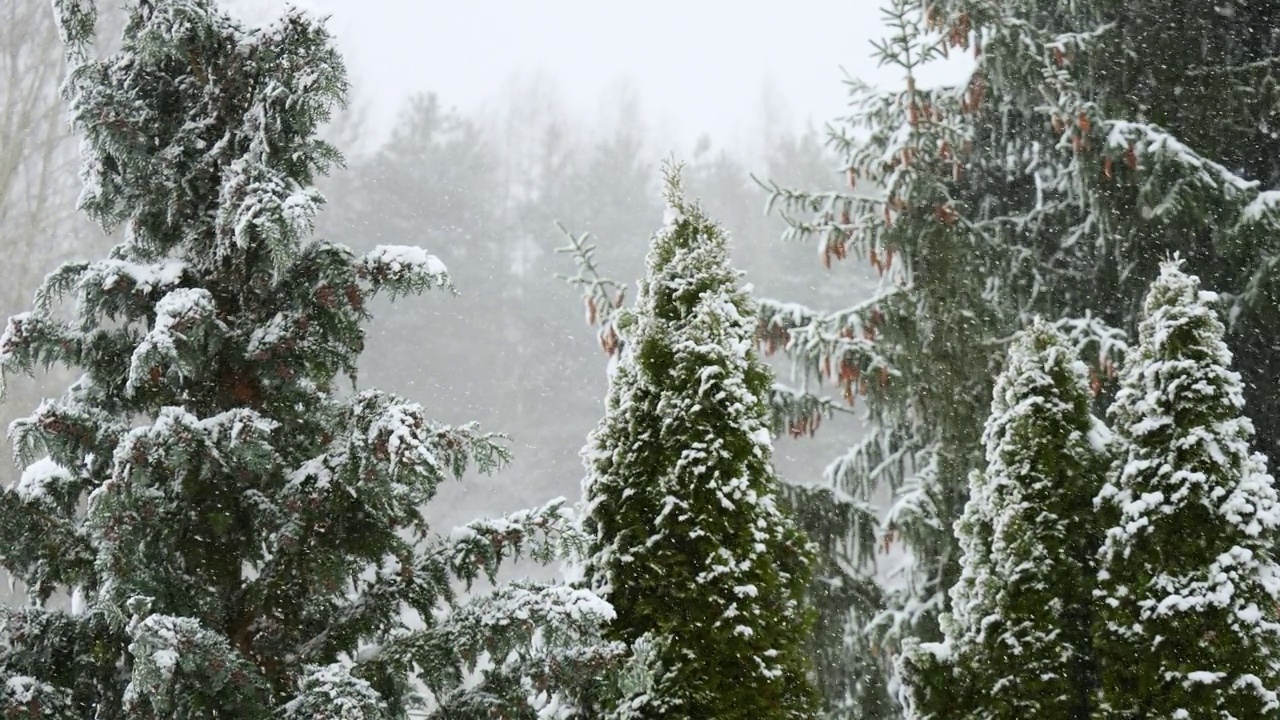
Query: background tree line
point(488, 191)
point(484, 190)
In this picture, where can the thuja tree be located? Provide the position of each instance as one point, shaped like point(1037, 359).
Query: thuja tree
point(1018, 638)
point(847, 674)
point(241, 536)
point(1049, 183)
point(1188, 590)
point(687, 539)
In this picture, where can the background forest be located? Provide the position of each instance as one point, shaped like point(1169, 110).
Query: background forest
point(486, 190)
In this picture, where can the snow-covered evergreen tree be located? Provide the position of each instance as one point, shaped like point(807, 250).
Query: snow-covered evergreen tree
point(1018, 637)
point(1083, 144)
point(1188, 581)
point(919, 355)
point(849, 673)
point(687, 539)
point(241, 537)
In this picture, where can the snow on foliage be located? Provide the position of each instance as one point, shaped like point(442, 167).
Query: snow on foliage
point(1261, 206)
point(237, 527)
point(404, 268)
point(22, 696)
point(40, 478)
point(1189, 583)
point(178, 663)
point(1045, 182)
point(184, 319)
point(515, 605)
point(546, 533)
point(110, 287)
point(686, 538)
point(1145, 139)
point(1017, 641)
point(332, 693)
point(404, 259)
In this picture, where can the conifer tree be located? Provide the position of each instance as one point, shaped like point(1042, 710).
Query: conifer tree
point(1085, 142)
point(687, 539)
point(1189, 584)
point(241, 537)
point(1018, 637)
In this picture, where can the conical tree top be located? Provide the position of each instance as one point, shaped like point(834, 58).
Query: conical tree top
point(1178, 317)
point(689, 255)
point(689, 543)
point(1017, 639)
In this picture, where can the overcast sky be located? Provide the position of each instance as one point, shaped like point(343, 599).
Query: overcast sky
point(699, 65)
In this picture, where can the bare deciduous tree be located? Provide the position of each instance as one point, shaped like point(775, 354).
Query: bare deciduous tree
point(39, 178)
point(37, 150)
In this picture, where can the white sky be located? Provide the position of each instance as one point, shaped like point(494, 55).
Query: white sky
point(699, 65)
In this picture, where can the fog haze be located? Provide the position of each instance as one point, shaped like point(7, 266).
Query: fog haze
point(697, 66)
point(474, 128)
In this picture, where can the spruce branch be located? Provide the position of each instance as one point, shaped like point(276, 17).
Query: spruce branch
point(602, 297)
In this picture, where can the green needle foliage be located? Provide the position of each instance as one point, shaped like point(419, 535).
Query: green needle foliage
point(241, 537)
point(1088, 141)
point(1018, 639)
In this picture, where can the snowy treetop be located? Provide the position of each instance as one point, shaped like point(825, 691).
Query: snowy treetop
point(1186, 462)
point(1039, 410)
point(234, 162)
point(1179, 388)
point(680, 493)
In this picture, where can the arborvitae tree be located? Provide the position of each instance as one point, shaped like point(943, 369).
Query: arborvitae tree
point(688, 541)
point(1189, 584)
point(1018, 639)
point(1085, 142)
point(241, 538)
point(848, 673)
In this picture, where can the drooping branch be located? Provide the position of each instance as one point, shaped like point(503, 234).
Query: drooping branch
point(602, 297)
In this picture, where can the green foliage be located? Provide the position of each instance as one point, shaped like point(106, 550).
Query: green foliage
point(1018, 636)
point(920, 354)
point(1188, 592)
point(331, 693)
point(1085, 144)
point(688, 541)
point(849, 670)
point(26, 697)
point(241, 537)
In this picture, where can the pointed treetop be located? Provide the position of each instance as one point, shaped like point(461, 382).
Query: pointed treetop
point(1174, 288)
point(1024, 540)
point(1034, 353)
point(689, 542)
point(686, 226)
point(673, 192)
